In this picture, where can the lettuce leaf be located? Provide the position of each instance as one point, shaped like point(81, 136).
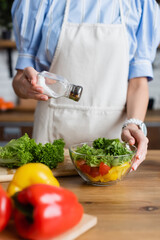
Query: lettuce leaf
point(24, 150)
point(112, 152)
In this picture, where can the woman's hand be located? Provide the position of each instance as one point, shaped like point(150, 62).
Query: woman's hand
point(134, 136)
point(25, 85)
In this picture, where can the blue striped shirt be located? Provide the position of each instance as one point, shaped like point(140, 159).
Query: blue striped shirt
point(37, 26)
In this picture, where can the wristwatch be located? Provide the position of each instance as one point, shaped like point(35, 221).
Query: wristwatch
point(138, 122)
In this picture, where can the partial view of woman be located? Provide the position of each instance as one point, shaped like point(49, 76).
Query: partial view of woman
point(106, 46)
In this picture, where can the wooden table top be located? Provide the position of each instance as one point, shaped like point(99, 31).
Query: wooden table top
point(128, 210)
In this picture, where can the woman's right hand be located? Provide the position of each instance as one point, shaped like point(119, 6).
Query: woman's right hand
point(25, 85)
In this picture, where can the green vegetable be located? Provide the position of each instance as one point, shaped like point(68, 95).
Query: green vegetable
point(110, 151)
point(24, 150)
point(112, 147)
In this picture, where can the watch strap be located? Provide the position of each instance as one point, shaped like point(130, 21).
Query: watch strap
point(138, 122)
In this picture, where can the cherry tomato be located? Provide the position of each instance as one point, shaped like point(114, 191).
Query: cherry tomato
point(94, 171)
point(80, 162)
point(85, 168)
point(103, 168)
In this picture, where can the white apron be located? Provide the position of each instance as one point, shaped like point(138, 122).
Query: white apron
point(95, 56)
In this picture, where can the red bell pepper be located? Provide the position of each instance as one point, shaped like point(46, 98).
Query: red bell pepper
point(44, 211)
point(5, 208)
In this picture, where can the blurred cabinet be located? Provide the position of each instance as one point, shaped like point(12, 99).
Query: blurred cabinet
point(153, 126)
point(12, 131)
point(9, 45)
point(154, 137)
point(15, 123)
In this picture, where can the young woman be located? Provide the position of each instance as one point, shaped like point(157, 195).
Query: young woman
point(106, 46)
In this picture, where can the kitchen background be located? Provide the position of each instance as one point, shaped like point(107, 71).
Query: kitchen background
point(6, 90)
point(14, 123)
point(8, 94)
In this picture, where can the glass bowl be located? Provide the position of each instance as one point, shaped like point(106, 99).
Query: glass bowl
point(96, 171)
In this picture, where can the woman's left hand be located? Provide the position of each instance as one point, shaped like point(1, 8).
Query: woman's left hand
point(134, 136)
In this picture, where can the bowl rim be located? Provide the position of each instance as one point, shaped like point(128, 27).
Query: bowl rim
point(82, 154)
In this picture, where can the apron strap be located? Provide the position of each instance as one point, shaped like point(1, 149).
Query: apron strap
point(121, 12)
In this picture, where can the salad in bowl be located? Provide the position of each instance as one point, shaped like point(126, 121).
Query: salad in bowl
point(103, 161)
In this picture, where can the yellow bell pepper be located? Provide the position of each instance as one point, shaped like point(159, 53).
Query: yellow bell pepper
point(31, 173)
point(118, 172)
point(114, 174)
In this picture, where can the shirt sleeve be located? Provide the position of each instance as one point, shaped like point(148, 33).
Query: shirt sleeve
point(147, 40)
point(28, 17)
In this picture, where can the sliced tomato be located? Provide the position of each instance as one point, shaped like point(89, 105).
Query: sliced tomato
point(94, 172)
point(103, 168)
point(85, 168)
point(80, 162)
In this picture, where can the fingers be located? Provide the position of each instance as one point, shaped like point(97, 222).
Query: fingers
point(31, 75)
point(138, 161)
point(25, 85)
point(127, 137)
point(36, 92)
point(142, 145)
point(39, 97)
point(141, 151)
point(32, 90)
point(134, 135)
